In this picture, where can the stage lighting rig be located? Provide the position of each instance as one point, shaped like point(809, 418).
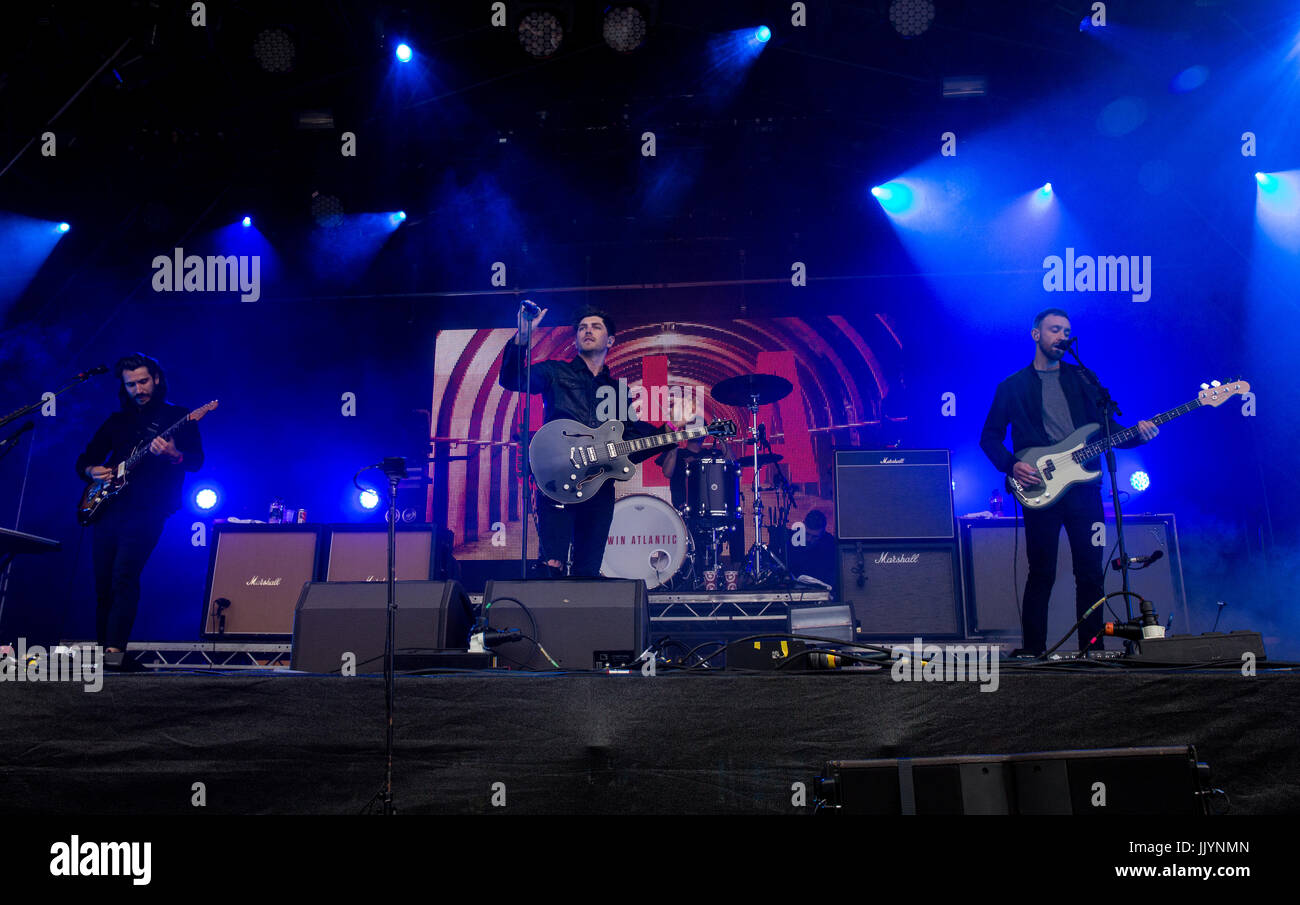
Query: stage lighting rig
point(275, 50)
point(911, 17)
point(624, 28)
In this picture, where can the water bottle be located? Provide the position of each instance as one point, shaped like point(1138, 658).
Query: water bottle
point(995, 503)
point(277, 512)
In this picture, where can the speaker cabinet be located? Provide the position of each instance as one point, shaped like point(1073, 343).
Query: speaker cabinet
point(361, 554)
point(902, 590)
point(893, 494)
point(335, 618)
point(260, 571)
point(990, 549)
point(582, 623)
point(1137, 781)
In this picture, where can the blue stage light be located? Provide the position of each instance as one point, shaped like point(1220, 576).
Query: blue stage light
point(1267, 182)
point(247, 221)
point(894, 197)
point(763, 34)
point(1046, 189)
point(1140, 481)
point(64, 227)
point(396, 217)
point(206, 498)
point(369, 499)
point(403, 53)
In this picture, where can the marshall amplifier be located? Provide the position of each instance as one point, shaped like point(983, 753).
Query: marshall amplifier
point(893, 494)
point(996, 567)
point(255, 575)
point(901, 590)
point(361, 554)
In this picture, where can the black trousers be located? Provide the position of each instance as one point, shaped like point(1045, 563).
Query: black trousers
point(1078, 511)
point(123, 542)
point(585, 525)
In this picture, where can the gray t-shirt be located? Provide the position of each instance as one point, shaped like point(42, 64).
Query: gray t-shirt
point(1056, 409)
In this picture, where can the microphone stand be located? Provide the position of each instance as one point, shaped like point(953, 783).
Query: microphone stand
point(395, 470)
point(525, 468)
point(1109, 408)
point(19, 412)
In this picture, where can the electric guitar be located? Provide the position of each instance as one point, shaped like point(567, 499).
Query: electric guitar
point(100, 492)
point(1061, 466)
point(571, 461)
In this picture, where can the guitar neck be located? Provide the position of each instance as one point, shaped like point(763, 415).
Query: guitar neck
point(143, 451)
point(1097, 447)
point(624, 447)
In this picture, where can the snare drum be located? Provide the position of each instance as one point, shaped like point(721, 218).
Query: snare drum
point(647, 539)
point(712, 491)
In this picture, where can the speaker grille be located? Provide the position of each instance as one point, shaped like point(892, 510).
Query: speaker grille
point(907, 589)
point(893, 494)
point(261, 573)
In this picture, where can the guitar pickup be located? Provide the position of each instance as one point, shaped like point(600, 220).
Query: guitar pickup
point(609, 451)
point(591, 455)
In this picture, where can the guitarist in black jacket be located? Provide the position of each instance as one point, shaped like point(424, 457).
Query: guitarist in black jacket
point(132, 522)
point(569, 390)
point(1043, 404)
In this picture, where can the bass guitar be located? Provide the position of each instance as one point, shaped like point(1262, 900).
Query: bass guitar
point(1060, 467)
point(571, 461)
point(98, 493)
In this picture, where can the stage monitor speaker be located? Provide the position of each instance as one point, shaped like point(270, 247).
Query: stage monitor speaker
point(903, 590)
point(1137, 781)
point(258, 572)
point(988, 547)
point(585, 623)
point(893, 494)
point(361, 554)
point(334, 618)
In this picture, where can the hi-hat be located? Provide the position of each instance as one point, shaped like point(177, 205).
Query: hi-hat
point(747, 389)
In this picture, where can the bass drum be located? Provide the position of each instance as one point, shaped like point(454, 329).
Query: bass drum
point(647, 540)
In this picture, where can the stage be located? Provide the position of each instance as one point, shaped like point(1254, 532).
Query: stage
point(673, 743)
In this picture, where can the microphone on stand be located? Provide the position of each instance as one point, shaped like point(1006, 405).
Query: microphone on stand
point(530, 308)
point(98, 369)
point(1065, 344)
point(1140, 561)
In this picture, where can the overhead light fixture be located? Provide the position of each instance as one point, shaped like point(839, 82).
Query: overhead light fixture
point(624, 28)
point(540, 33)
point(911, 17)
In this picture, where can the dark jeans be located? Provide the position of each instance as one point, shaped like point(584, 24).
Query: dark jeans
point(1078, 511)
point(586, 524)
point(122, 544)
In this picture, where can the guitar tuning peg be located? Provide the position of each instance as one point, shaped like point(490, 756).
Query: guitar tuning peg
point(1214, 383)
point(1205, 386)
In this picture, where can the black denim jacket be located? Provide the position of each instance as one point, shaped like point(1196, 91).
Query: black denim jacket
point(568, 390)
point(1018, 401)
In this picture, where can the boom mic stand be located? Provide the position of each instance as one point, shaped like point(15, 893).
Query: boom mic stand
point(1108, 408)
point(524, 431)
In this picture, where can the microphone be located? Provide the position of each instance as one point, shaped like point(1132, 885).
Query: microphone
point(530, 308)
point(1140, 561)
point(98, 369)
point(1065, 344)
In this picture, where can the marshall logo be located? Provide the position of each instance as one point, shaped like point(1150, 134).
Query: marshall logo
point(888, 558)
point(259, 582)
point(889, 461)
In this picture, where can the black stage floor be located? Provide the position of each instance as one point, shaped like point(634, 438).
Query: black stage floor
point(679, 743)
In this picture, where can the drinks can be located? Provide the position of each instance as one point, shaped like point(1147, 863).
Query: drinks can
point(302, 516)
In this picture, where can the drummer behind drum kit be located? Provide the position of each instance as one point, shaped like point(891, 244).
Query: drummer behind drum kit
point(651, 540)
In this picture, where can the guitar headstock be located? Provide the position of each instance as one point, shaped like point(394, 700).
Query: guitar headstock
point(723, 428)
point(1215, 393)
point(198, 413)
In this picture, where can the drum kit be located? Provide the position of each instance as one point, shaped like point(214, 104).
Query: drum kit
point(651, 540)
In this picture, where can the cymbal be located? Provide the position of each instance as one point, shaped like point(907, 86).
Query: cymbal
point(743, 389)
point(763, 459)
